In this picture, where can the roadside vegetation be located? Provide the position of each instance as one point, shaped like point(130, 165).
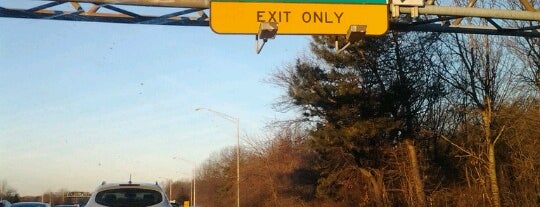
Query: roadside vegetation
point(399, 120)
point(405, 119)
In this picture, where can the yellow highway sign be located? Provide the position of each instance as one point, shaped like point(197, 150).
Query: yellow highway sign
point(297, 18)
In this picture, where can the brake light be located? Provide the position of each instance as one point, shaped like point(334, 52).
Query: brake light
point(129, 185)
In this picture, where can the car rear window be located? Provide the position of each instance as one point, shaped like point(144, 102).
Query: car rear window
point(128, 197)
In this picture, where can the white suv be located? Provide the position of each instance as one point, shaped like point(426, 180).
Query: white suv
point(128, 195)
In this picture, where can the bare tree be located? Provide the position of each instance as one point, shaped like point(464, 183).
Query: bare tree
point(7, 192)
point(526, 49)
point(482, 73)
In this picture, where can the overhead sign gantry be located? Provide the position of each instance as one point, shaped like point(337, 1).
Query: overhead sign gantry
point(311, 17)
point(266, 18)
point(405, 15)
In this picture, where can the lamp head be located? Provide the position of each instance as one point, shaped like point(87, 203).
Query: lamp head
point(356, 33)
point(268, 30)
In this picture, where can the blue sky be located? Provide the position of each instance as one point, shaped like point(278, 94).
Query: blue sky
point(86, 102)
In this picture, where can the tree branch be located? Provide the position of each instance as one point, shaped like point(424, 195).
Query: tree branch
point(499, 135)
point(464, 150)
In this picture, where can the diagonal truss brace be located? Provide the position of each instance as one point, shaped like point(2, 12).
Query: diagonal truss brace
point(100, 11)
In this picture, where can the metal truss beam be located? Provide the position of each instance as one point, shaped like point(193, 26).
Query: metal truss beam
point(201, 4)
point(92, 11)
point(427, 18)
point(531, 32)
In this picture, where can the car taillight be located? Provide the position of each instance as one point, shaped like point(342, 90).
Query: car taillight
point(129, 185)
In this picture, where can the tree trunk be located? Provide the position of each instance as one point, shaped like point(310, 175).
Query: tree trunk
point(414, 171)
point(487, 115)
point(492, 172)
point(377, 185)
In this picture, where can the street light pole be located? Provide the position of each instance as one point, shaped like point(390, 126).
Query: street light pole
point(193, 179)
point(170, 186)
point(236, 121)
point(191, 198)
